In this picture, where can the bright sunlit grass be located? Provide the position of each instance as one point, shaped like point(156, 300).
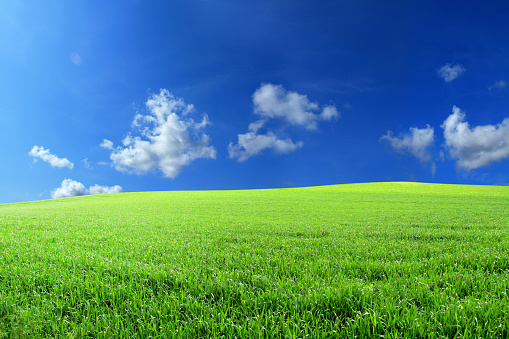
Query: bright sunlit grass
point(392, 259)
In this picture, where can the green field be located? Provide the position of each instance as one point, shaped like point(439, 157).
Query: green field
point(392, 260)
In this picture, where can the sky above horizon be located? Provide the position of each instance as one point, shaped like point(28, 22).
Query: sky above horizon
point(131, 96)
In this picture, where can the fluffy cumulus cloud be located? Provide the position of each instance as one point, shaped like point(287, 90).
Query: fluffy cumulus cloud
point(250, 144)
point(273, 102)
point(450, 72)
point(168, 139)
point(72, 188)
point(39, 152)
point(475, 147)
point(416, 143)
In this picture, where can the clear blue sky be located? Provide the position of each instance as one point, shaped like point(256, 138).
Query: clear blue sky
point(237, 94)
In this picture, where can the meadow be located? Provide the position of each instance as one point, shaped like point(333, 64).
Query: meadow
point(386, 260)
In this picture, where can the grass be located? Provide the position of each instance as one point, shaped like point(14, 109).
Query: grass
point(391, 260)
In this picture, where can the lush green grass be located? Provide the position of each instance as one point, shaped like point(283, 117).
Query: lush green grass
point(366, 260)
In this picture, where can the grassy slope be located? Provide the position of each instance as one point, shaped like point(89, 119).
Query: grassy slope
point(400, 259)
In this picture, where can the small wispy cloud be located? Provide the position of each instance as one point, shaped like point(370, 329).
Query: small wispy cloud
point(169, 139)
point(499, 84)
point(39, 152)
point(72, 188)
point(273, 102)
point(76, 59)
point(87, 164)
point(416, 143)
point(449, 72)
point(475, 147)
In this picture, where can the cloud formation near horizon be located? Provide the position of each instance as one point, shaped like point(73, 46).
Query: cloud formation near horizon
point(72, 188)
point(45, 155)
point(169, 140)
point(450, 72)
point(273, 102)
point(417, 143)
point(475, 147)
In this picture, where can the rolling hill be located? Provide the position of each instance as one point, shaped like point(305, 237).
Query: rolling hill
point(393, 259)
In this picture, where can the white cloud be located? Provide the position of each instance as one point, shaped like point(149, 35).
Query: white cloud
point(417, 143)
point(475, 147)
point(250, 144)
point(329, 113)
point(76, 59)
point(97, 189)
point(274, 102)
point(450, 72)
point(106, 144)
point(69, 188)
point(72, 188)
point(46, 156)
point(86, 163)
point(499, 84)
point(168, 142)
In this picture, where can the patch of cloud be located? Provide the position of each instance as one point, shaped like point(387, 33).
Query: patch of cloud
point(106, 144)
point(450, 72)
point(76, 59)
point(39, 152)
point(433, 168)
point(441, 155)
point(250, 144)
point(69, 188)
point(498, 85)
point(97, 189)
point(416, 143)
point(72, 188)
point(169, 140)
point(329, 113)
point(475, 147)
point(274, 102)
point(86, 163)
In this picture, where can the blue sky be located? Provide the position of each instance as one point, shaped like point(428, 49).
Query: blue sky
point(100, 97)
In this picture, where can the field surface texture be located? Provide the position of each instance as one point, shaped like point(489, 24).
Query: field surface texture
point(392, 260)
